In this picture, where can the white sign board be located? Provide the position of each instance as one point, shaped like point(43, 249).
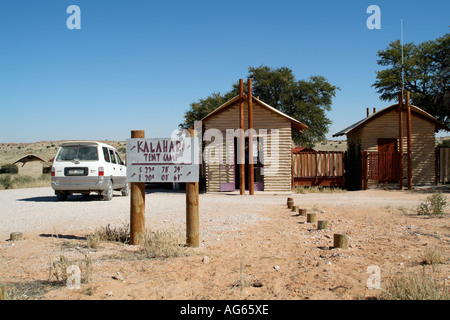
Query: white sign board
point(162, 160)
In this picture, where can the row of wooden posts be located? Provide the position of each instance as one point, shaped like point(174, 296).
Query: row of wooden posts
point(340, 240)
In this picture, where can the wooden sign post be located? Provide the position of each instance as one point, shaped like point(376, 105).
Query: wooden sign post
point(162, 160)
point(192, 216)
point(192, 213)
point(137, 203)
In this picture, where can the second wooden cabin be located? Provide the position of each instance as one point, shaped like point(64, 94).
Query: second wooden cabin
point(374, 147)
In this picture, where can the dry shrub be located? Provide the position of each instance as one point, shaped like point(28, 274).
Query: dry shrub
point(433, 256)
point(433, 205)
point(413, 286)
point(93, 240)
point(162, 244)
point(109, 233)
point(58, 269)
point(15, 181)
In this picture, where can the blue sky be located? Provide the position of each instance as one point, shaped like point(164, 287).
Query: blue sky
point(139, 64)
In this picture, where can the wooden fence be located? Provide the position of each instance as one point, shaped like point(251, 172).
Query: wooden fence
point(444, 165)
point(364, 168)
point(318, 169)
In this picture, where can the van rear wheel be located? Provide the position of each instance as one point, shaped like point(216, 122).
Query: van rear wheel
point(107, 194)
point(61, 196)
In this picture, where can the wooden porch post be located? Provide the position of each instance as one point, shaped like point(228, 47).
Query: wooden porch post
point(408, 138)
point(251, 174)
point(241, 137)
point(400, 137)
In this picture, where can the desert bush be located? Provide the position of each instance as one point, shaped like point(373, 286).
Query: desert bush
point(9, 168)
point(113, 233)
point(93, 240)
point(5, 181)
point(20, 182)
point(58, 269)
point(413, 286)
point(433, 205)
point(162, 244)
point(433, 256)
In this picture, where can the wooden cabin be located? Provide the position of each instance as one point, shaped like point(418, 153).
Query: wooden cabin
point(272, 145)
point(376, 140)
point(30, 165)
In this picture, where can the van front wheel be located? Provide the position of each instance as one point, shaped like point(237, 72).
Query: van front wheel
point(125, 190)
point(107, 194)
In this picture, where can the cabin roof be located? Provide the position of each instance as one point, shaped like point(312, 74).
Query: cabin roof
point(295, 123)
point(28, 158)
point(414, 109)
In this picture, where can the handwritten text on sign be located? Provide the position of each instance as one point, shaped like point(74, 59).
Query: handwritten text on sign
point(162, 160)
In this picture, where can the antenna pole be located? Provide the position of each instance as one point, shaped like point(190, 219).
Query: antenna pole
point(403, 67)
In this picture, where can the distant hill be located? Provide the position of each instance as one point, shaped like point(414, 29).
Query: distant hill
point(10, 152)
point(331, 145)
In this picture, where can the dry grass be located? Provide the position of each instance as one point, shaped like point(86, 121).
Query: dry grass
point(315, 189)
point(163, 244)
point(109, 233)
point(155, 244)
point(415, 286)
point(14, 181)
point(58, 270)
point(433, 256)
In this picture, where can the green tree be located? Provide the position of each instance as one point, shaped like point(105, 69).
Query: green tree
point(304, 100)
point(426, 75)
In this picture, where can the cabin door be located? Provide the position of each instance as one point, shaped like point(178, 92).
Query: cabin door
point(227, 172)
point(258, 166)
point(388, 160)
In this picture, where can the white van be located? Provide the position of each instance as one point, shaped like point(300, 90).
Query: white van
point(88, 166)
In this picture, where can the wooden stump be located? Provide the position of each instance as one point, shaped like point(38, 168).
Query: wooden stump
point(295, 209)
point(15, 236)
point(302, 212)
point(322, 224)
point(340, 240)
point(311, 217)
point(289, 199)
point(2, 291)
point(290, 204)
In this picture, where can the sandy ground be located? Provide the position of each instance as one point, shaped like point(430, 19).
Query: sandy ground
point(251, 247)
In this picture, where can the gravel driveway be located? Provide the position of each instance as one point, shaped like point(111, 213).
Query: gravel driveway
point(36, 210)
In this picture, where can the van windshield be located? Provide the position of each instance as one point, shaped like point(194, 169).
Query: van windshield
point(78, 152)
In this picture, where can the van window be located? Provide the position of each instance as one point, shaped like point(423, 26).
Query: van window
point(106, 154)
point(78, 152)
point(119, 161)
point(113, 158)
